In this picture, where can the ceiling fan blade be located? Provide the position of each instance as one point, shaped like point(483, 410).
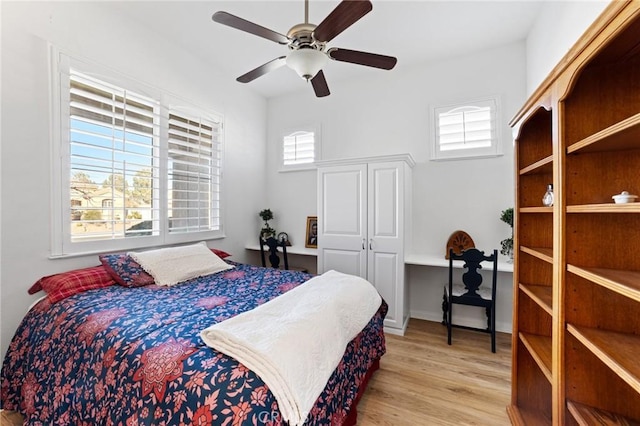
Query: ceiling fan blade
point(362, 58)
point(262, 70)
point(320, 85)
point(347, 13)
point(233, 21)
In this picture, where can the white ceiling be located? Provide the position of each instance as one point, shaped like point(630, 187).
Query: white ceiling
point(413, 31)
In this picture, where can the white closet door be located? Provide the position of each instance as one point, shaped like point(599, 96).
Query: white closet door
point(342, 222)
point(385, 236)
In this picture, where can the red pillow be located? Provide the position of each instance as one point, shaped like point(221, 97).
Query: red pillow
point(66, 284)
point(221, 254)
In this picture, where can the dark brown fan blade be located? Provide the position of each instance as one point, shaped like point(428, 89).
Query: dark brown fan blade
point(262, 70)
point(362, 58)
point(320, 85)
point(347, 13)
point(233, 21)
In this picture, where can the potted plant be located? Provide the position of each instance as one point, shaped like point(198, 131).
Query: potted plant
point(266, 231)
point(507, 244)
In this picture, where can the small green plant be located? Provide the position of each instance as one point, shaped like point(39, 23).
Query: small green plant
point(267, 230)
point(507, 244)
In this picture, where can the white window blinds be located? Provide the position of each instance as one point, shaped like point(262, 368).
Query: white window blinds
point(465, 127)
point(113, 137)
point(194, 174)
point(466, 130)
point(298, 148)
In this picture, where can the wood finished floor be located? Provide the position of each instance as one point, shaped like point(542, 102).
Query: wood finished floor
point(424, 381)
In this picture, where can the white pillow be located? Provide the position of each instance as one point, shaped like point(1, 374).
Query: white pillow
point(169, 266)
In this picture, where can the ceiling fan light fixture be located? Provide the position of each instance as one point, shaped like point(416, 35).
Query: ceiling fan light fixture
point(306, 62)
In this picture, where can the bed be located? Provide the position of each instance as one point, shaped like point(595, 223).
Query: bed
point(119, 355)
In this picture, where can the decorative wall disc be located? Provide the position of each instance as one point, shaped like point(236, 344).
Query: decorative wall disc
point(459, 241)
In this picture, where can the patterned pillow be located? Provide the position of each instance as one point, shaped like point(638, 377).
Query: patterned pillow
point(66, 284)
point(125, 271)
point(173, 265)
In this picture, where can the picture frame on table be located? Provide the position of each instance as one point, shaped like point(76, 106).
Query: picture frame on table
point(311, 237)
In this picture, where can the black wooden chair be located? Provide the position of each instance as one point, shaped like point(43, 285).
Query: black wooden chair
point(272, 245)
point(471, 292)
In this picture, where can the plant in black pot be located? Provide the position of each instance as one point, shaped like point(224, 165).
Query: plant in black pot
point(266, 231)
point(507, 244)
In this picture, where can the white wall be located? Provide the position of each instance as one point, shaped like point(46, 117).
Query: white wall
point(387, 113)
point(558, 26)
point(87, 29)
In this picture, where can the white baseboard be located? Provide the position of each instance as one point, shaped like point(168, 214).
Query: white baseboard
point(469, 322)
point(426, 315)
point(398, 331)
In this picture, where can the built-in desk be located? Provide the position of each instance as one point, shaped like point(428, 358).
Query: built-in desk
point(428, 274)
point(303, 251)
point(440, 261)
point(410, 259)
point(300, 258)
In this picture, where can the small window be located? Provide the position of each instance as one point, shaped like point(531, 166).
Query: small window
point(300, 148)
point(466, 130)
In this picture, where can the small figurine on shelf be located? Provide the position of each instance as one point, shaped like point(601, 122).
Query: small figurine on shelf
point(283, 237)
point(547, 199)
point(624, 197)
point(267, 231)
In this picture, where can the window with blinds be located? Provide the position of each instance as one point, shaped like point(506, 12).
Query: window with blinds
point(300, 147)
point(468, 130)
point(194, 174)
point(133, 171)
point(113, 161)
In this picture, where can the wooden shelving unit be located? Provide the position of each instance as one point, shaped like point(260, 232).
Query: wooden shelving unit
point(541, 294)
point(576, 331)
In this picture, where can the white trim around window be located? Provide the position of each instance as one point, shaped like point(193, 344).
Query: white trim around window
point(468, 129)
point(132, 166)
point(300, 147)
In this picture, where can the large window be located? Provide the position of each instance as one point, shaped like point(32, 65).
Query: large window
point(133, 166)
point(466, 130)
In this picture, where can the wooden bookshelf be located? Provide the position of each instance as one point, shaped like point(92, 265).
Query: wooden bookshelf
point(589, 416)
point(616, 350)
point(576, 328)
point(543, 166)
point(540, 294)
point(543, 253)
point(626, 283)
point(540, 349)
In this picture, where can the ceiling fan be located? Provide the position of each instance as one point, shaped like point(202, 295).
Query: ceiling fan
point(307, 44)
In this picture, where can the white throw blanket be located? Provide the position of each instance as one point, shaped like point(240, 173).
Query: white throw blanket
point(295, 341)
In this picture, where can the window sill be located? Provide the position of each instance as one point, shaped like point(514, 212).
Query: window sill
point(124, 249)
point(467, 157)
point(304, 168)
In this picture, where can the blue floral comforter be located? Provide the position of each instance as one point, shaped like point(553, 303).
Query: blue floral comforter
point(132, 356)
